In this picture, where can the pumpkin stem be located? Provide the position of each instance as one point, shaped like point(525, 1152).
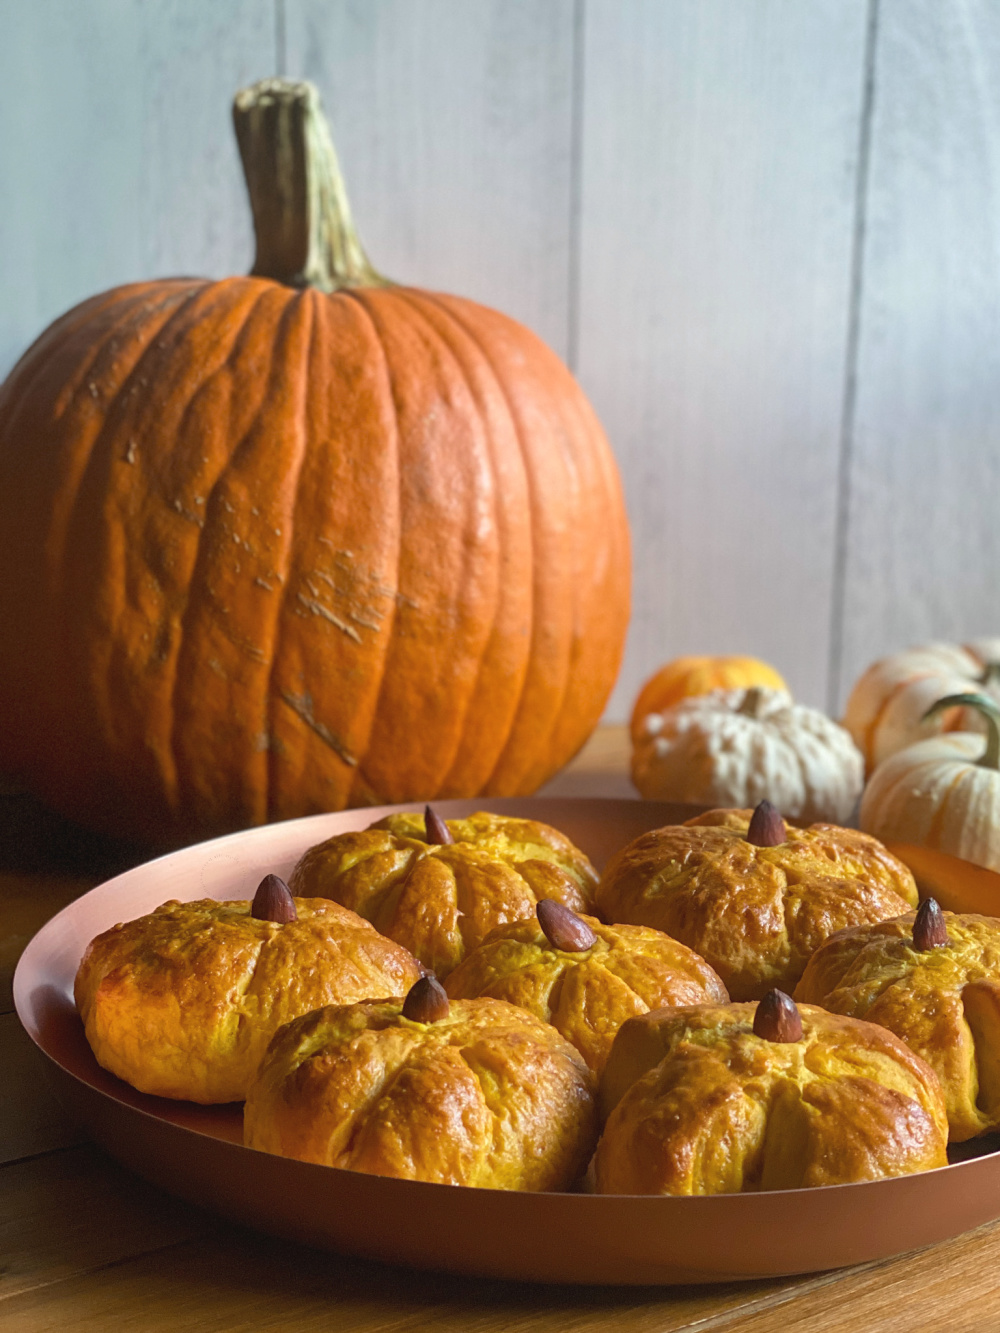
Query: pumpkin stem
point(988, 710)
point(752, 699)
point(301, 217)
point(989, 674)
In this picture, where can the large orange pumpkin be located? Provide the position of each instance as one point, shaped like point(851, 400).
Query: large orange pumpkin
point(306, 539)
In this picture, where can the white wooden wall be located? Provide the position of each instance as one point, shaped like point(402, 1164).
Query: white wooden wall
point(764, 233)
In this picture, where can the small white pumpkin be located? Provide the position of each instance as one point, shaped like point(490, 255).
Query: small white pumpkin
point(739, 747)
point(943, 792)
point(889, 704)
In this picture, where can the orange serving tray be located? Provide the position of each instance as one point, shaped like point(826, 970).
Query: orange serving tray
point(196, 1152)
point(959, 886)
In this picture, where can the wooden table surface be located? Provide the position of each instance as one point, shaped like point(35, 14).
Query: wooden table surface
point(85, 1246)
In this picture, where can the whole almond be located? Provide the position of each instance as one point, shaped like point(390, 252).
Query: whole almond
point(767, 828)
point(563, 928)
point(426, 1001)
point(436, 829)
point(273, 901)
point(929, 928)
point(777, 1018)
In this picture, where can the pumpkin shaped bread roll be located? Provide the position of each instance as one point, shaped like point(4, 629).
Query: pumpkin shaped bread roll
point(932, 978)
point(440, 899)
point(183, 1002)
point(583, 977)
point(471, 1092)
point(710, 1100)
point(753, 896)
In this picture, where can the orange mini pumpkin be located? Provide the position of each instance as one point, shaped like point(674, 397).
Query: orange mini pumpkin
point(300, 540)
point(686, 677)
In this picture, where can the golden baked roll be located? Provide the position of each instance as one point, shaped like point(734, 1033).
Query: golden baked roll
point(755, 910)
point(937, 986)
point(721, 1099)
point(440, 899)
point(183, 1002)
point(583, 977)
point(471, 1092)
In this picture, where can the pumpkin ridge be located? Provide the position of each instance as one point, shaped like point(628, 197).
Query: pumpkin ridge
point(873, 725)
point(937, 819)
point(270, 699)
point(195, 581)
point(16, 397)
point(166, 755)
point(871, 731)
point(369, 795)
point(13, 393)
point(101, 459)
point(168, 763)
point(403, 319)
point(532, 501)
point(70, 395)
point(86, 365)
point(78, 461)
point(150, 331)
point(352, 450)
point(898, 790)
point(590, 454)
point(414, 300)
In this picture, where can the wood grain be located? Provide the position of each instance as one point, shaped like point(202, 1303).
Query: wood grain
point(74, 1211)
point(719, 151)
point(923, 542)
point(235, 1280)
point(31, 1120)
point(453, 120)
point(954, 1286)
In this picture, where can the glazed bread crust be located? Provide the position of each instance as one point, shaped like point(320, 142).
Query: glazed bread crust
point(441, 901)
point(755, 914)
point(487, 1096)
point(700, 1105)
point(944, 1003)
point(587, 995)
point(182, 1002)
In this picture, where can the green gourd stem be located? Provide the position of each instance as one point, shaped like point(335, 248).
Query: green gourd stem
point(988, 709)
point(301, 217)
point(989, 674)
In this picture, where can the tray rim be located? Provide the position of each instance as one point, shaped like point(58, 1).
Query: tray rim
point(82, 1093)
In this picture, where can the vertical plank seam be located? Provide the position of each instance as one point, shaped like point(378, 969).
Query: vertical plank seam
point(575, 185)
point(280, 39)
point(849, 407)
